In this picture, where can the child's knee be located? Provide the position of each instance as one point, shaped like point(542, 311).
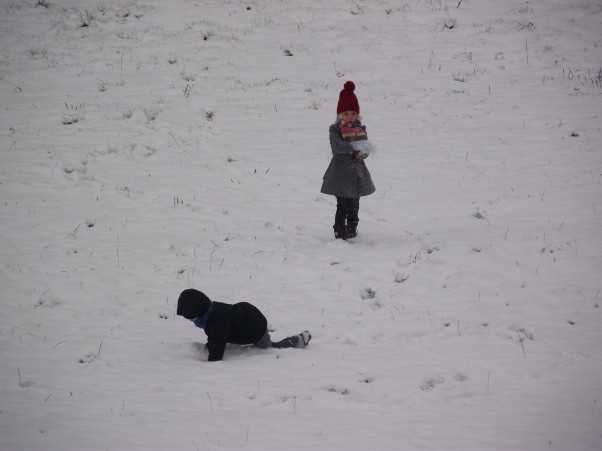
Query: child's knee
point(265, 342)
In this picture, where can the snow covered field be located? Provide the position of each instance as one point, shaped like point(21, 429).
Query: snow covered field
point(151, 146)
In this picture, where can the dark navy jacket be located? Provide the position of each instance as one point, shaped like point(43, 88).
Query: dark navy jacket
point(240, 324)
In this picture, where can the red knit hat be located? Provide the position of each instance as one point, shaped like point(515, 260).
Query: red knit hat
point(347, 99)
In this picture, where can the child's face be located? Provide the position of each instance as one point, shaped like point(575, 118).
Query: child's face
point(349, 117)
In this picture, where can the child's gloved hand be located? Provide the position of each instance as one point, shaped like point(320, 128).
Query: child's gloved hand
point(364, 147)
point(357, 155)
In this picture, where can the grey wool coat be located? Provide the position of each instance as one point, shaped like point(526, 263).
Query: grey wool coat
point(345, 176)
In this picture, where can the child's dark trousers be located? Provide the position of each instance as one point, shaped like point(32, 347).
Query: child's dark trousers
point(347, 211)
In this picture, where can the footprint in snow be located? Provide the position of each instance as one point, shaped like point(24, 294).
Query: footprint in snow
point(88, 357)
point(431, 383)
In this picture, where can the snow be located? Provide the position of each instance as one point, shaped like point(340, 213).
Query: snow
point(147, 147)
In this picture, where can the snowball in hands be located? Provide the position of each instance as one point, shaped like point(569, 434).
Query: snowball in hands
point(364, 147)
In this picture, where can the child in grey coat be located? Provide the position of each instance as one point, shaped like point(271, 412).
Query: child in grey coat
point(347, 176)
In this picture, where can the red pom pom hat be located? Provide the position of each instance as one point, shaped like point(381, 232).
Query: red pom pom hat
point(347, 99)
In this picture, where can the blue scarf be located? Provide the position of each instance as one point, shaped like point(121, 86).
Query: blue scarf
point(201, 322)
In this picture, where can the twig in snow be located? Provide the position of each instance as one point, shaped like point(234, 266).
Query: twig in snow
point(506, 234)
point(40, 300)
point(339, 74)
point(121, 66)
point(527, 50)
point(561, 226)
point(210, 402)
point(99, 348)
point(60, 342)
point(431, 59)
point(74, 234)
point(48, 397)
point(593, 406)
point(521, 343)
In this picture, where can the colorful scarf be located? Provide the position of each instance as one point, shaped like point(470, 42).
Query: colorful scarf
point(351, 134)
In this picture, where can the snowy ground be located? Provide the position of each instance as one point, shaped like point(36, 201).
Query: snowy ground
point(151, 146)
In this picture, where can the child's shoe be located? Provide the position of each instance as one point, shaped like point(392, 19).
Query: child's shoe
point(295, 341)
point(340, 232)
point(351, 229)
point(304, 336)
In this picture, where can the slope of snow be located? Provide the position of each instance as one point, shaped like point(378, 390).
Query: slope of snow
point(147, 147)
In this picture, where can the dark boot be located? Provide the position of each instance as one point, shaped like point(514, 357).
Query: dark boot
point(340, 232)
point(296, 341)
point(351, 229)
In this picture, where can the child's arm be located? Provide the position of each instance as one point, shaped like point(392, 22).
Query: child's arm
point(216, 346)
point(217, 338)
point(336, 142)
